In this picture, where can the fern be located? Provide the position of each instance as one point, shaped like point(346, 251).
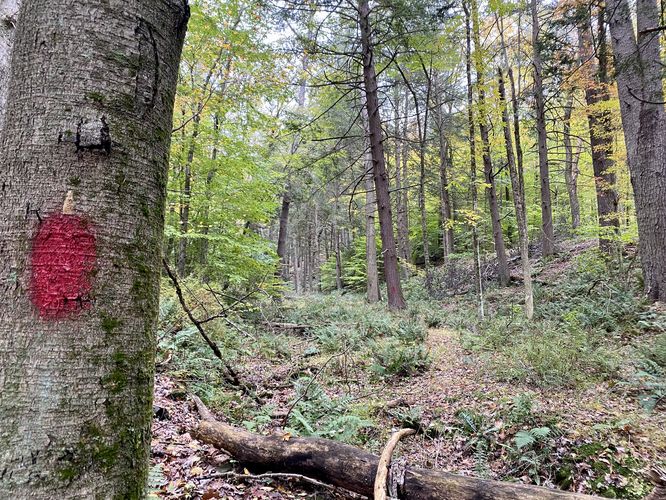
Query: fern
point(529, 438)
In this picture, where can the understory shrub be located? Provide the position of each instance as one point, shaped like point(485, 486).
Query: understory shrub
point(395, 357)
point(317, 414)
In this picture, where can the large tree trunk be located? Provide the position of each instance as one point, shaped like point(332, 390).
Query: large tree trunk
point(89, 116)
point(571, 165)
point(518, 201)
point(491, 193)
point(391, 273)
point(547, 232)
point(600, 127)
point(472, 160)
point(355, 469)
point(639, 76)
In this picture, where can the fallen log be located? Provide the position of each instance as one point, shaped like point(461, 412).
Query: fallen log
point(287, 326)
point(355, 470)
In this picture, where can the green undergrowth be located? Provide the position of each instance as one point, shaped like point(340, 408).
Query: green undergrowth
point(391, 344)
point(519, 441)
point(588, 321)
point(343, 344)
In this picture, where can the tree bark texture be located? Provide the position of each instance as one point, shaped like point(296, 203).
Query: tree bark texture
point(515, 105)
point(391, 273)
point(445, 166)
point(88, 123)
point(600, 126)
point(547, 231)
point(639, 76)
point(355, 470)
point(9, 10)
point(403, 214)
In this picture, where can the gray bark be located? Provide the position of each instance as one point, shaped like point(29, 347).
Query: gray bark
point(401, 197)
point(203, 256)
point(9, 10)
point(89, 110)
point(444, 196)
point(515, 104)
point(403, 224)
point(640, 87)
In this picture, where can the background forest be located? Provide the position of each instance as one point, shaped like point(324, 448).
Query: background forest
point(461, 164)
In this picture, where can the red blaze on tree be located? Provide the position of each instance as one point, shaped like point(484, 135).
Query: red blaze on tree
point(63, 259)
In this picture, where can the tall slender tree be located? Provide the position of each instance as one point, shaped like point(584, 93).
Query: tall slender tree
point(472, 160)
point(600, 122)
point(547, 230)
point(489, 174)
point(518, 200)
point(445, 156)
point(391, 273)
point(571, 164)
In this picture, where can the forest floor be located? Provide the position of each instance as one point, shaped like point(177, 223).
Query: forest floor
point(540, 414)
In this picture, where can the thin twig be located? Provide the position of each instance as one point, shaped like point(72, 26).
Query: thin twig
point(271, 475)
point(231, 374)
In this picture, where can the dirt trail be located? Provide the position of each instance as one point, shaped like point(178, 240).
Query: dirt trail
point(459, 380)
